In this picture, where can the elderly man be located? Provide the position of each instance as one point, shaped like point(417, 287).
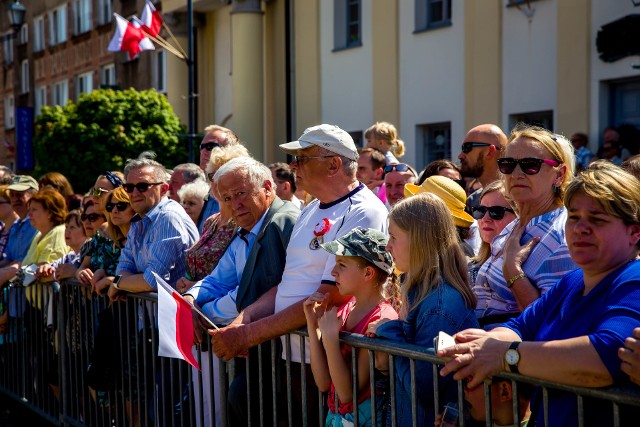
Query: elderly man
point(480, 150)
point(325, 162)
point(22, 232)
point(395, 177)
point(184, 174)
point(252, 264)
point(214, 136)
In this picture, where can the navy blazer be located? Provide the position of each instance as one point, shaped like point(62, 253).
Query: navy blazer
point(266, 261)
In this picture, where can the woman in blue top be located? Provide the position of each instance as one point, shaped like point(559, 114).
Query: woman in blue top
point(571, 335)
point(436, 296)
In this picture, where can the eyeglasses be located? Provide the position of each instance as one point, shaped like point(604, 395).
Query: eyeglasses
point(97, 191)
point(91, 217)
point(141, 186)
point(210, 175)
point(529, 165)
point(468, 146)
point(209, 146)
point(495, 212)
point(300, 159)
point(120, 205)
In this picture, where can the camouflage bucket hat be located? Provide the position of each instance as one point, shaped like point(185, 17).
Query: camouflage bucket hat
point(366, 243)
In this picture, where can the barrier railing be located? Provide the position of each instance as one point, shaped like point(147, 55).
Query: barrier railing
point(76, 359)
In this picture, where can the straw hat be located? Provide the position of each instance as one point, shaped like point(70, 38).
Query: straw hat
point(449, 191)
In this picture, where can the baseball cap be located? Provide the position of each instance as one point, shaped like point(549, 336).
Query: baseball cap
point(449, 191)
point(366, 243)
point(23, 183)
point(329, 137)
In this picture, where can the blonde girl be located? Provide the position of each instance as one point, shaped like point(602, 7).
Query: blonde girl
point(383, 136)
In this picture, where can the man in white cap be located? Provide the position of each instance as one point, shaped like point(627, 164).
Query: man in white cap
point(325, 162)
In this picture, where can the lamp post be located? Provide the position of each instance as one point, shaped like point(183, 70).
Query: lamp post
point(16, 12)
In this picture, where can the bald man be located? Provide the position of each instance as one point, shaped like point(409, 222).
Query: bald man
point(481, 148)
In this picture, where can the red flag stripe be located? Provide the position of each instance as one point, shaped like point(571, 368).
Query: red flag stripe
point(184, 330)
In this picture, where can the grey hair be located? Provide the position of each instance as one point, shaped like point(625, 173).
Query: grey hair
point(256, 171)
point(190, 172)
point(144, 160)
point(349, 167)
point(198, 188)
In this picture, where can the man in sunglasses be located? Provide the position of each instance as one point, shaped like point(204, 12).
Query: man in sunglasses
point(480, 149)
point(325, 161)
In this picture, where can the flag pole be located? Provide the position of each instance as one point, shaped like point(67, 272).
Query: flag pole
point(160, 40)
point(164, 24)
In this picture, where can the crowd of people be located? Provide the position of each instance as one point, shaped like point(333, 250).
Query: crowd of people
point(526, 252)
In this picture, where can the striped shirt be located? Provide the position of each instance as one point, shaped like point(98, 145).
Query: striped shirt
point(547, 263)
point(157, 242)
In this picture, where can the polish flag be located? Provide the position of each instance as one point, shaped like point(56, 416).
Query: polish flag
point(129, 37)
point(151, 19)
point(175, 327)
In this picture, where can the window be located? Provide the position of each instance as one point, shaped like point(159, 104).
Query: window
point(538, 118)
point(40, 99)
point(24, 76)
point(38, 33)
point(58, 25)
point(7, 47)
point(84, 84)
point(9, 113)
point(60, 93)
point(436, 142)
point(104, 12)
point(82, 16)
point(356, 135)
point(24, 34)
point(432, 14)
point(159, 71)
point(108, 75)
point(347, 23)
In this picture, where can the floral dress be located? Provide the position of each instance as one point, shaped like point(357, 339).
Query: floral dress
point(204, 255)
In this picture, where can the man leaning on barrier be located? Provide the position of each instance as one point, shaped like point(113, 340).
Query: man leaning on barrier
point(251, 265)
point(325, 161)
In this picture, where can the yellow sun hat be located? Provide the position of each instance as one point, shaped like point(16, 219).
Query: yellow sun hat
point(449, 191)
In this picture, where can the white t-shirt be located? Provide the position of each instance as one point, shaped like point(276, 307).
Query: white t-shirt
point(307, 268)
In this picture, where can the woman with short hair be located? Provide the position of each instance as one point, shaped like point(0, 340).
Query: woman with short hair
point(192, 197)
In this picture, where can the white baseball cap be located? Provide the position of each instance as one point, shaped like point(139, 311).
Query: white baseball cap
point(329, 137)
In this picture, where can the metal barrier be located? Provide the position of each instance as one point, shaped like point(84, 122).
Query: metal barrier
point(78, 360)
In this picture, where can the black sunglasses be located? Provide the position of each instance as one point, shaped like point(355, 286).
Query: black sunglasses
point(398, 167)
point(495, 212)
point(209, 146)
point(468, 146)
point(91, 217)
point(141, 186)
point(120, 205)
point(529, 165)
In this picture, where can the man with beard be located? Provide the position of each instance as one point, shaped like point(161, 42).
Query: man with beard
point(480, 149)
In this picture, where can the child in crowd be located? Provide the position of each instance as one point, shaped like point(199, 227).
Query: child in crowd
point(364, 270)
point(436, 296)
point(383, 136)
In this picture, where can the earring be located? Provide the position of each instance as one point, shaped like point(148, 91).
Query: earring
point(555, 189)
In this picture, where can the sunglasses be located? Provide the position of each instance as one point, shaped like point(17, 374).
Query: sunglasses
point(468, 146)
point(209, 146)
point(97, 191)
point(529, 165)
point(120, 205)
point(141, 186)
point(91, 217)
point(495, 212)
point(113, 179)
point(398, 167)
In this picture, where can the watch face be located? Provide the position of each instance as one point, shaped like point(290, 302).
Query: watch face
point(512, 357)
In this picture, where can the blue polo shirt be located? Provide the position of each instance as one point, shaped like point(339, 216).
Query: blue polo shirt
point(20, 237)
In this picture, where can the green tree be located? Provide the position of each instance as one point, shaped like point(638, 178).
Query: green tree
point(102, 131)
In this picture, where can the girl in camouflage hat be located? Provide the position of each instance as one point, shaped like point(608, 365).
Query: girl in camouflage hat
point(363, 269)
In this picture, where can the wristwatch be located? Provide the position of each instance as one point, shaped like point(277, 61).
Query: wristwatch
point(116, 280)
point(512, 357)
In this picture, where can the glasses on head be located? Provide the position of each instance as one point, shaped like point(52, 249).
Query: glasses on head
point(91, 217)
point(113, 179)
point(529, 165)
point(300, 159)
point(398, 167)
point(120, 205)
point(141, 186)
point(495, 212)
point(97, 191)
point(209, 146)
point(468, 146)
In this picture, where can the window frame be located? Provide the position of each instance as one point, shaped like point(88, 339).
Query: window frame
point(7, 48)
point(61, 98)
point(343, 21)
point(84, 83)
point(9, 112)
point(427, 137)
point(82, 15)
point(111, 69)
point(39, 40)
point(39, 99)
point(58, 32)
point(423, 19)
point(105, 10)
point(159, 71)
point(24, 76)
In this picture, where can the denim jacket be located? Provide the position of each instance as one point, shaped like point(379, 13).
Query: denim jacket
point(441, 310)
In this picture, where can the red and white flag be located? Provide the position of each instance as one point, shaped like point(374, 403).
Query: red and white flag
point(175, 324)
point(129, 37)
point(151, 19)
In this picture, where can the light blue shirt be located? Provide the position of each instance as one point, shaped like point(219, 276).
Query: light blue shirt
point(157, 243)
point(20, 237)
point(211, 206)
point(216, 293)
